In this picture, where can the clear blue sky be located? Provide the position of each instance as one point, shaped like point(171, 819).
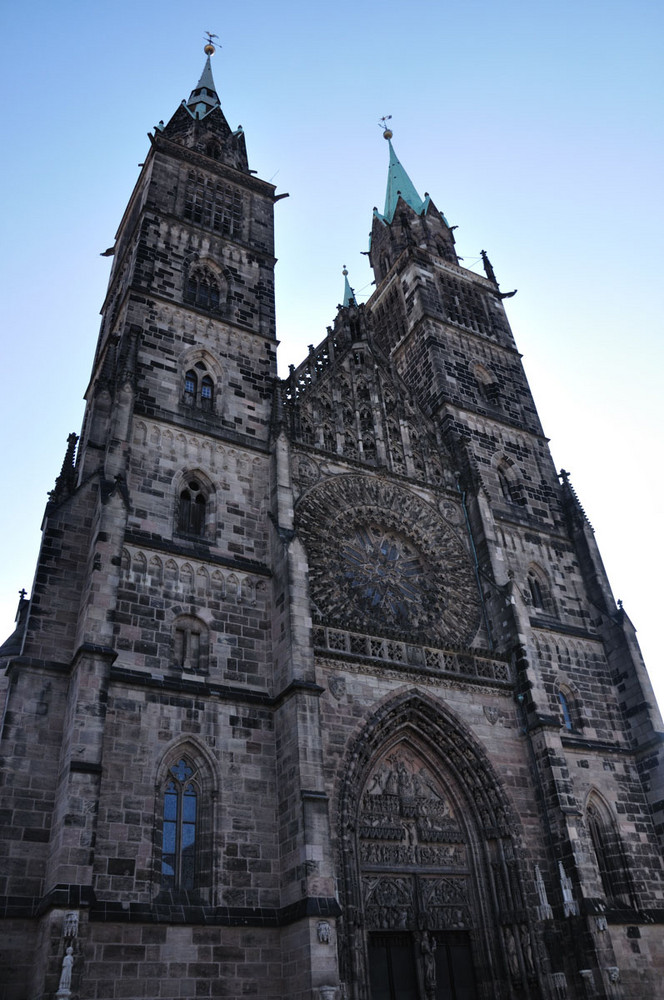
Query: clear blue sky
point(537, 129)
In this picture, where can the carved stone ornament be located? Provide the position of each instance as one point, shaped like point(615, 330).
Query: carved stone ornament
point(70, 927)
point(451, 511)
point(327, 992)
point(337, 686)
point(491, 714)
point(324, 932)
point(559, 985)
point(613, 972)
point(305, 471)
point(570, 905)
point(382, 559)
point(544, 909)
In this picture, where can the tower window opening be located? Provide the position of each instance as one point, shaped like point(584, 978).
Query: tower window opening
point(199, 387)
point(565, 711)
point(535, 591)
point(215, 206)
point(190, 385)
point(191, 512)
point(202, 290)
point(206, 392)
point(505, 487)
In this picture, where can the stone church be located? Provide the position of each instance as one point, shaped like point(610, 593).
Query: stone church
point(321, 691)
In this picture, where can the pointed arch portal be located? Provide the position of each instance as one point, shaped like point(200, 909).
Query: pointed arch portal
point(433, 899)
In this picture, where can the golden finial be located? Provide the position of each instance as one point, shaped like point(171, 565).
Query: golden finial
point(387, 132)
point(345, 272)
point(209, 49)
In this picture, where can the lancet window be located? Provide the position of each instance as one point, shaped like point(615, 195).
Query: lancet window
point(180, 803)
point(610, 857)
point(192, 509)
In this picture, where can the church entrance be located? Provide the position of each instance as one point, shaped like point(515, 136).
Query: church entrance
point(417, 883)
point(432, 883)
point(446, 967)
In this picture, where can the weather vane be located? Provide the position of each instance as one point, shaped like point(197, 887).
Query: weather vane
point(209, 48)
point(387, 131)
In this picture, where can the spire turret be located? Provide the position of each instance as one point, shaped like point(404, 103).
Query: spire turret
point(400, 184)
point(204, 97)
point(418, 223)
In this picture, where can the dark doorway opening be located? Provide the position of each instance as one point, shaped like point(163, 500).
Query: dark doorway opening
point(393, 967)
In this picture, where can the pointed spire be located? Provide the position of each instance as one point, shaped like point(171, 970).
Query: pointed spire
point(349, 294)
point(204, 97)
point(399, 183)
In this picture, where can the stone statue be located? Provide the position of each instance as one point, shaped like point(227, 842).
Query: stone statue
point(428, 948)
point(64, 989)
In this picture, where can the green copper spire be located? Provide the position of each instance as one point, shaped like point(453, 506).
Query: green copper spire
point(349, 294)
point(203, 97)
point(399, 183)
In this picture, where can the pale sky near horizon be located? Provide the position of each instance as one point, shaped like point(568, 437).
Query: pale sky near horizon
point(537, 129)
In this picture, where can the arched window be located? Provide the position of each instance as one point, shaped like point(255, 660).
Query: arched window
point(191, 386)
point(539, 593)
point(180, 827)
point(613, 872)
point(509, 488)
point(487, 384)
point(206, 392)
point(202, 290)
point(565, 710)
point(213, 149)
point(535, 591)
point(191, 509)
point(199, 387)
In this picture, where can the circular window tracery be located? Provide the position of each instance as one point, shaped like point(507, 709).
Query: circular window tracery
point(382, 561)
point(384, 573)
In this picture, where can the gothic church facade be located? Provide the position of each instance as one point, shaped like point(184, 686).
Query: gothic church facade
point(321, 690)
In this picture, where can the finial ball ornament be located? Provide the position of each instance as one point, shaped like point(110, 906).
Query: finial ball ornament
point(388, 133)
point(209, 49)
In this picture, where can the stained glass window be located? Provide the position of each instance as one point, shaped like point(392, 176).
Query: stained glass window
point(178, 851)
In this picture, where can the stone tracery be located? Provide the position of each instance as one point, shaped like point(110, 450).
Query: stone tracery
point(401, 569)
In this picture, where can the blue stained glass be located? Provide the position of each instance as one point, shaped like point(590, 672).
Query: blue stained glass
point(188, 835)
point(189, 806)
point(181, 770)
point(567, 718)
point(170, 803)
point(169, 838)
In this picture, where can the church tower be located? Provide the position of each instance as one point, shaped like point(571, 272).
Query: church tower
point(321, 691)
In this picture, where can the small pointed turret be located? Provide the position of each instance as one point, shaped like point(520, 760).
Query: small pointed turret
point(204, 97)
point(349, 293)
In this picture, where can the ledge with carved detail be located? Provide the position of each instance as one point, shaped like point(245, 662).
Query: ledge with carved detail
point(476, 667)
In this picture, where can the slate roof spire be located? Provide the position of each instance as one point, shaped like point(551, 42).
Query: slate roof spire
point(204, 97)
